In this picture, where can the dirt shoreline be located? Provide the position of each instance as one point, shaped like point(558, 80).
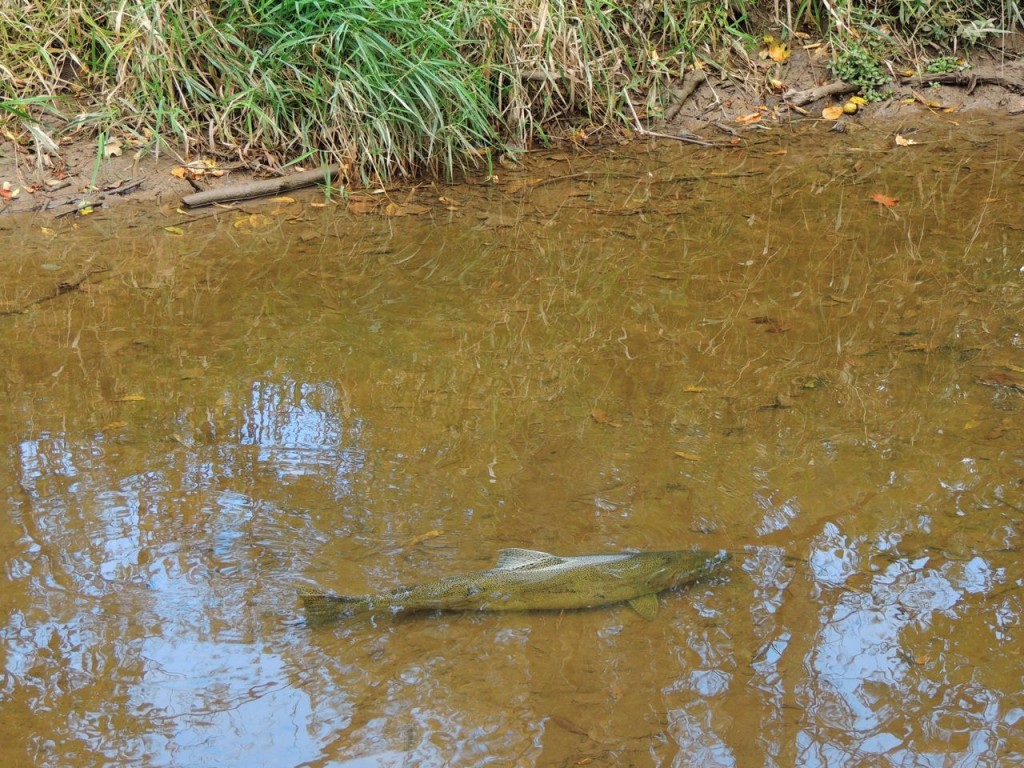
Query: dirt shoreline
point(718, 111)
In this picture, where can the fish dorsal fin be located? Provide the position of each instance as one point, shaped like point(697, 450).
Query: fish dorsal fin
point(646, 606)
point(516, 559)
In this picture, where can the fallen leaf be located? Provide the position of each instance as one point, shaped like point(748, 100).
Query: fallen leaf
point(363, 207)
point(130, 399)
point(695, 390)
point(832, 113)
point(424, 536)
point(600, 415)
point(252, 221)
point(687, 456)
point(888, 202)
point(779, 52)
point(174, 231)
point(753, 117)
point(902, 142)
point(112, 148)
point(410, 209)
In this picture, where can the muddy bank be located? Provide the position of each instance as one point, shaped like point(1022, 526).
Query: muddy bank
point(728, 111)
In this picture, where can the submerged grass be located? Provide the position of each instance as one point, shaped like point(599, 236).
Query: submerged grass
point(390, 87)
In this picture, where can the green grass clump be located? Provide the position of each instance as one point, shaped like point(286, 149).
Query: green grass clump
point(384, 86)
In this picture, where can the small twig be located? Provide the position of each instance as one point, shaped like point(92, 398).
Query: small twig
point(127, 189)
point(63, 287)
point(644, 132)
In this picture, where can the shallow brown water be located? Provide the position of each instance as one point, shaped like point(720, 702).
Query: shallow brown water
point(657, 347)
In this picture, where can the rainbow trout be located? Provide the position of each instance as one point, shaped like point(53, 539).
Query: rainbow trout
point(525, 580)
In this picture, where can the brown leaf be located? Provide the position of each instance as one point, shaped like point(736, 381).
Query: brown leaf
point(888, 202)
point(409, 209)
point(600, 415)
point(362, 207)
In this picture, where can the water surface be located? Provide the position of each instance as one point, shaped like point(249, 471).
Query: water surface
point(656, 346)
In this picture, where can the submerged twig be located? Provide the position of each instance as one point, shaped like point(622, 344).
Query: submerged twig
point(63, 287)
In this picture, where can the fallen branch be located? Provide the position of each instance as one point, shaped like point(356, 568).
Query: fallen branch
point(263, 188)
point(799, 98)
point(969, 79)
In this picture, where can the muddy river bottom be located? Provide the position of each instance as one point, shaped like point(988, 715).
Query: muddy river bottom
point(808, 351)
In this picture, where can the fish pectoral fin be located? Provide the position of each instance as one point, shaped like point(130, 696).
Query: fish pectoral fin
point(515, 559)
point(646, 606)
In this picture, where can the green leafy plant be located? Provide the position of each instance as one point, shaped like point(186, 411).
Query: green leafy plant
point(942, 65)
point(859, 66)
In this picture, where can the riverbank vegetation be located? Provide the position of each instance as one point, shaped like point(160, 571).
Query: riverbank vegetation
point(399, 87)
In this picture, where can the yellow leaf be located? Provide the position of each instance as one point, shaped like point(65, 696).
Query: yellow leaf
point(779, 52)
point(179, 172)
point(687, 456)
point(696, 389)
point(860, 101)
point(130, 399)
point(113, 425)
point(252, 221)
point(833, 112)
point(902, 142)
point(174, 231)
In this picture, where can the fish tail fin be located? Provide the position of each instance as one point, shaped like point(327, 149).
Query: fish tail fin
point(322, 607)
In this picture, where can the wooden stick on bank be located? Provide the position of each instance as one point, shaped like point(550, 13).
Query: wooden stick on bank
point(252, 189)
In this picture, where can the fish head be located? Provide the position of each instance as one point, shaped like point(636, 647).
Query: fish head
point(675, 568)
